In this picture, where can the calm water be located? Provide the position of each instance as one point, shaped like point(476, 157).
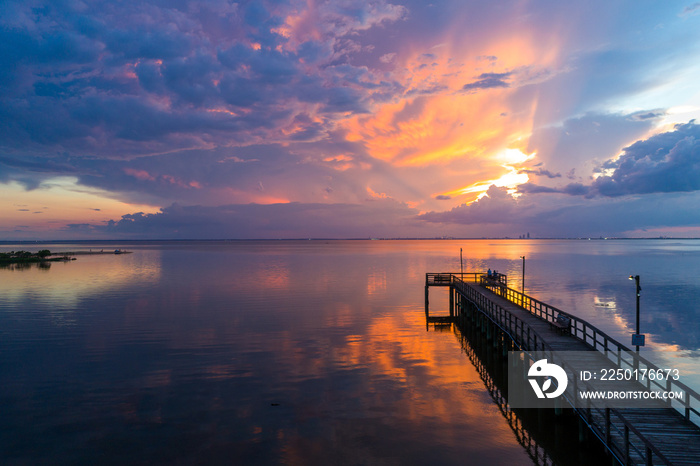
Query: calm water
point(299, 352)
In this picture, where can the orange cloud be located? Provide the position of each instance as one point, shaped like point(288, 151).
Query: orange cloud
point(376, 195)
point(142, 175)
point(461, 110)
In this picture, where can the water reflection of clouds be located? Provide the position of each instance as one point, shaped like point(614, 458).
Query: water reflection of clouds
point(376, 282)
point(411, 381)
point(65, 284)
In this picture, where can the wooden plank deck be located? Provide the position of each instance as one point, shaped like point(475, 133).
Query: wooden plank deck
point(670, 433)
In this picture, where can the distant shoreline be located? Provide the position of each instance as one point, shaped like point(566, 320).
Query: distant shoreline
point(225, 240)
point(25, 257)
point(89, 253)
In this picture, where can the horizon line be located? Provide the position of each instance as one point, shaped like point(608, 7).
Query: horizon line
point(578, 238)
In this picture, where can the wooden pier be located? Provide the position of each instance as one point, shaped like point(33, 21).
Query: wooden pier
point(669, 435)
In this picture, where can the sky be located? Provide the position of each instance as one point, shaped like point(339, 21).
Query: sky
point(177, 119)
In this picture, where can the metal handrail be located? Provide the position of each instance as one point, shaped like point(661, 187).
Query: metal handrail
point(600, 341)
point(446, 277)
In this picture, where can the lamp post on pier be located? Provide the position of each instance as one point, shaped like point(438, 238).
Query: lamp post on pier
point(523, 287)
point(637, 339)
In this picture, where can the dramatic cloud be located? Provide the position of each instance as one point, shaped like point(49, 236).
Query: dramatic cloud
point(300, 104)
point(379, 218)
point(585, 142)
point(145, 78)
point(665, 163)
point(497, 206)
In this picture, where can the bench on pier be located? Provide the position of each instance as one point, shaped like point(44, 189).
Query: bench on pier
point(561, 323)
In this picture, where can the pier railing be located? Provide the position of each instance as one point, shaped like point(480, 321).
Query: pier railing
point(518, 329)
point(615, 351)
point(608, 425)
point(623, 439)
point(445, 278)
point(620, 435)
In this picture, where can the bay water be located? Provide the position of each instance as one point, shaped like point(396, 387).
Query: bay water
point(297, 352)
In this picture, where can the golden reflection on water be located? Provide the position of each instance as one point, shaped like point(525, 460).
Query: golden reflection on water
point(432, 391)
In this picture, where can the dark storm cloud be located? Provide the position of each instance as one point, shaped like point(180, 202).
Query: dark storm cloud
point(665, 163)
point(134, 44)
point(266, 66)
point(156, 101)
point(94, 78)
point(22, 47)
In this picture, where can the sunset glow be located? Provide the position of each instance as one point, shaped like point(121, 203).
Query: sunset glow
point(227, 110)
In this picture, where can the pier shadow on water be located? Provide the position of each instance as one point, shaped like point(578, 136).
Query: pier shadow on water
point(548, 438)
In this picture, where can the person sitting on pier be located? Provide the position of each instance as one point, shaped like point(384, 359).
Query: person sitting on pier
point(489, 273)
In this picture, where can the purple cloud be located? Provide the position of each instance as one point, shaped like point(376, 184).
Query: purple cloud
point(540, 172)
point(495, 207)
point(87, 77)
point(292, 220)
point(665, 163)
point(561, 215)
point(489, 81)
point(204, 102)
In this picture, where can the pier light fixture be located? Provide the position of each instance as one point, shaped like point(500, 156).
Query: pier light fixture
point(637, 338)
point(523, 286)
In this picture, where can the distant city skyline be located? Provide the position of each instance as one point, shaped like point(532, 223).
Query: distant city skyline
point(349, 119)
